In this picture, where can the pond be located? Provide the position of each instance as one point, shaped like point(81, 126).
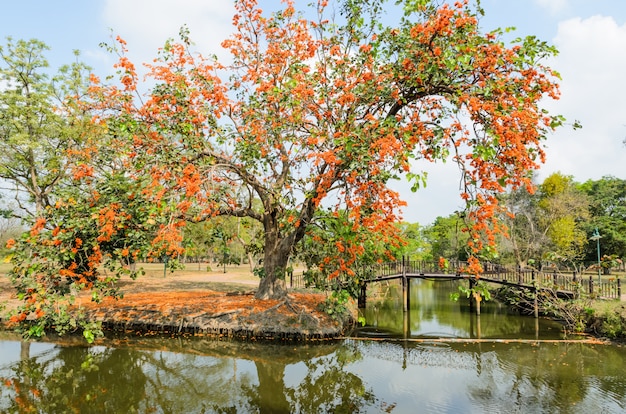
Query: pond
point(395, 364)
point(433, 314)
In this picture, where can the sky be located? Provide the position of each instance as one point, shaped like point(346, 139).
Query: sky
point(589, 34)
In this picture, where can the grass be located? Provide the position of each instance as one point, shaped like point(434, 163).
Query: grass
point(609, 307)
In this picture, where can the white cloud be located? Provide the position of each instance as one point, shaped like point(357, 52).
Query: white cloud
point(592, 63)
point(553, 6)
point(147, 24)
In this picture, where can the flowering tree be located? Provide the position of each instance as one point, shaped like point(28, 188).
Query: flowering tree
point(313, 117)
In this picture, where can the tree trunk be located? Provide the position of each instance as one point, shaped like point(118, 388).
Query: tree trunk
point(278, 248)
point(251, 261)
point(275, 258)
point(272, 285)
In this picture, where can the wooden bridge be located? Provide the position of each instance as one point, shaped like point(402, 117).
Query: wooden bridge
point(564, 285)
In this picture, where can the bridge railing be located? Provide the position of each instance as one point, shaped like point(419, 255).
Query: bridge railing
point(571, 283)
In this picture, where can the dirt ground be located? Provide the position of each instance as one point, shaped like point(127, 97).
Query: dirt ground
point(193, 277)
point(207, 301)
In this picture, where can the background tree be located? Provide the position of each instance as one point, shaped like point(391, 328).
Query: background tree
point(237, 236)
point(527, 240)
point(564, 212)
point(417, 246)
point(197, 243)
point(608, 214)
point(448, 238)
point(40, 123)
point(548, 225)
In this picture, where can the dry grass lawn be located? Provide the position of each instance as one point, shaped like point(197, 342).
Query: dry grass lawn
point(196, 297)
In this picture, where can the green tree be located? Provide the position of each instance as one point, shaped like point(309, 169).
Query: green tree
point(448, 237)
point(416, 246)
point(564, 212)
point(40, 122)
point(197, 242)
point(235, 236)
point(608, 215)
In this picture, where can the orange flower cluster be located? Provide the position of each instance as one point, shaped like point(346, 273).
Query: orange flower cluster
point(305, 116)
point(38, 226)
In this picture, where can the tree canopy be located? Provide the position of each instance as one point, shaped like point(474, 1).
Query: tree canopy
point(40, 123)
point(310, 119)
point(608, 210)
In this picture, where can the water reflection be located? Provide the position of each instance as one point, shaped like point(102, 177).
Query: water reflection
point(195, 376)
point(433, 314)
point(369, 375)
point(184, 376)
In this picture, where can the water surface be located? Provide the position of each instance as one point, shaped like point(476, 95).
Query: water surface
point(410, 371)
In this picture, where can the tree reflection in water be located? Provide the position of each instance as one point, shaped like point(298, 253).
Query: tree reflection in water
point(202, 376)
point(552, 377)
point(433, 314)
point(77, 379)
point(217, 377)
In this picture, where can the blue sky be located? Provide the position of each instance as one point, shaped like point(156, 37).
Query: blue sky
point(590, 34)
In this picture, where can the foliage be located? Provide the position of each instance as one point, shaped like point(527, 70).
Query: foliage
point(548, 225)
point(308, 123)
point(607, 318)
point(337, 304)
point(612, 326)
point(448, 237)
point(10, 228)
point(198, 241)
point(86, 243)
point(526, 240)
point(564, 210)
point(226, 240)
point(608, 262)
point(416, 247)
point(339, 250)
point(41, 123)
point(608, 214)
point(479, 292)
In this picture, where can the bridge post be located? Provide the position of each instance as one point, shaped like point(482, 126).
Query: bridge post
point(362, 295)
point(472, 300)
point(619, 289)
point(590, 285)
point(535, 291)
point(405, 287)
